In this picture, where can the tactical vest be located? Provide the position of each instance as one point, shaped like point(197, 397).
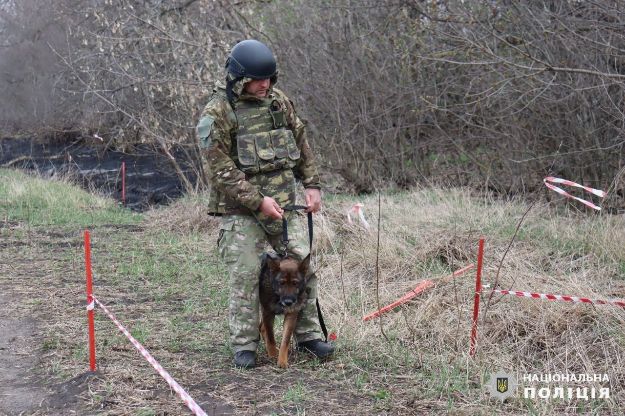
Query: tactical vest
point(263, 143)
point(265, 150)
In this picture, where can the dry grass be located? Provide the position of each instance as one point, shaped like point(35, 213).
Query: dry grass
point(55, 201)
point(188, 215)
point(430, 233)
point(163, 281)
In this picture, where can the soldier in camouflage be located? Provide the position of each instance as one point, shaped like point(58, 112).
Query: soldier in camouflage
point(254, 148)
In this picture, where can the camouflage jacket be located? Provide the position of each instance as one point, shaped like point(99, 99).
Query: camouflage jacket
point(236, 185)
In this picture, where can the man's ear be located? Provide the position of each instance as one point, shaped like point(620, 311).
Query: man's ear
point(304, 266)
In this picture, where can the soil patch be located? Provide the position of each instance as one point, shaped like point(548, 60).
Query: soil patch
point(19, 390)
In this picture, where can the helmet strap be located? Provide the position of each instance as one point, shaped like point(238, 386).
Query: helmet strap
point(274, 78)
point(229, 92)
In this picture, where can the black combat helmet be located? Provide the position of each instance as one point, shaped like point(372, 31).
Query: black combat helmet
point(249, 59)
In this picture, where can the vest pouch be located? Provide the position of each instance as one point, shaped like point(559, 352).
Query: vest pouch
point(294, 153)
point(264, 150)
point(246, 153)
point(284, 145)
point(278, 139)
point(278, 118)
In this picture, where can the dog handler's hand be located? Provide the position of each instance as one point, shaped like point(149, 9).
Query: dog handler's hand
point(313, 199)
point(270, 208)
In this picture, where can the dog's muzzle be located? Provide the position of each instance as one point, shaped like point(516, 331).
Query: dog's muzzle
point(286, 302)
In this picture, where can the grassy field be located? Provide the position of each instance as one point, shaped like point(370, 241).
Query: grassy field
point(159, 273)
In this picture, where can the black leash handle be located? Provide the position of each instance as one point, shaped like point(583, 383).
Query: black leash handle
point(285, 241)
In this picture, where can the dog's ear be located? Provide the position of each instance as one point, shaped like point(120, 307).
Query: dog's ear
point(304, 266)
point(273, 261)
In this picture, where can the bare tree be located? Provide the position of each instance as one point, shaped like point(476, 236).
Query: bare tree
point(492, 94)
point(29, 68)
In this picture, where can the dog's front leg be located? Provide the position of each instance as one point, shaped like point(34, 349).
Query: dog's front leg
point(266, 330)
point(290, 319)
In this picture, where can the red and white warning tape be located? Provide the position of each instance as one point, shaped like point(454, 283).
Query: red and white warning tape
point(357, 209)
point(414, 292)
point(423, 285)
point(561, 191)
point(188, 400)
point(564, 298)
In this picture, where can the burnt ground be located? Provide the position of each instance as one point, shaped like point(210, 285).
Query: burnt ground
point(150, 178)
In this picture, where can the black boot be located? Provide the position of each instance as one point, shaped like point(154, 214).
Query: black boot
point(317, 347)
point(245, 359)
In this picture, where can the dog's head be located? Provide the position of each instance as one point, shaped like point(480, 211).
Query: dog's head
point(289, 277)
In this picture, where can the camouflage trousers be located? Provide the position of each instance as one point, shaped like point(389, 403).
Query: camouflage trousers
point(241, 243)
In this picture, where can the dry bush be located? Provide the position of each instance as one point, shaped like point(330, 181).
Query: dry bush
point(30, 69)
point(495, 95)
point(130, 72)
point(147, 68)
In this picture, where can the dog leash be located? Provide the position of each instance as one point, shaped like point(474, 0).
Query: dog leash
point(285, 241)
point(285, 225)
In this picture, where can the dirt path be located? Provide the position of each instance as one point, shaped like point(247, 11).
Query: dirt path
point(19, 393)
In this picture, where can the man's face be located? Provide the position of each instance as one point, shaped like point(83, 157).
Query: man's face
point(258, 87)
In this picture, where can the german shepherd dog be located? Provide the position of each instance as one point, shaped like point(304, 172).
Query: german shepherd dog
point(282, 290)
